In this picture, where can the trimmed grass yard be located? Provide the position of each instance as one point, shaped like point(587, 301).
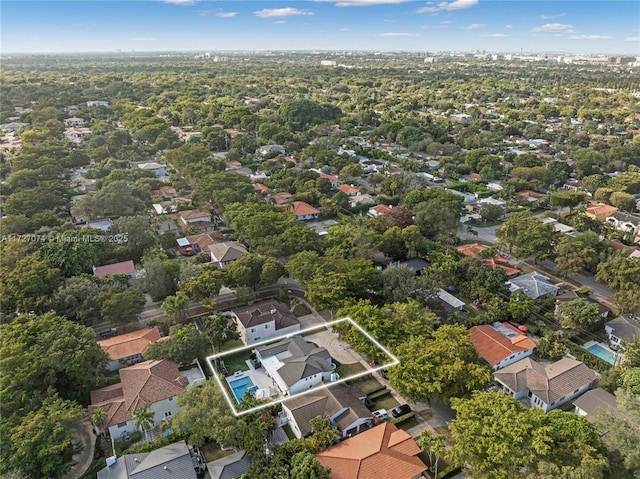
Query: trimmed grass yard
point(386, 402)
point(368, 384)
point(212, 451)
point(229, 345)
point(236, 362)
point(406, 425)
point(348, 370)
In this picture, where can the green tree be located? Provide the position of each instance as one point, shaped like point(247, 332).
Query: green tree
point(120, 306)
point(323, 434)
point(304, 465)
point(183, 345)
point(400, 283)
point(527, 236)
point(490, 212)
point(619, 272)
point(434, 446)
point(205, 285)
point(160, 277)
point(77, 300)
point(98, 417)
point(628, 301)
point(253, 270)
point(144, 418)
point(582, 253)
point(75, 252)
point(29, 285)
point(623, 201)
point(495, 436)
point(445, 364)
point(567, 199)
point(521, 306)
point(578, 314)
point(41, 444)
point(176, 306)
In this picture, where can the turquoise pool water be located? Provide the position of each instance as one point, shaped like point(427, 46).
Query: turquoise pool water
point(603, 353)
point(240, 386)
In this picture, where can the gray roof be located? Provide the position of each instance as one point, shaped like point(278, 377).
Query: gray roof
point(624, 328)
point(170, 462)
point(626, 217)
point(227, 251)
point(533, 285)
point(594, 400)
point(416, 264)
point(550, 382)
point(229, 467)
point(266, 312)
point(339, 402)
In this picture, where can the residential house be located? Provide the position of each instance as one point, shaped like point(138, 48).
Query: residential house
point(546, 386)
point(192, 245)
point(74, 121)
point(572, 184)
point(226, 252)
point(530, 196)
point(379, 210)
point(76, 134)
point(474, 249)
point(97, 103)
point(281, 199)
point(593, 401)
point(13, 127)
point(599, 211)
point(622, 329)
point(123, 267)
point(470, 177)
point(348, 190)
point(233, 466)
point(501, 344)
point(359, 199)
point(342, 404)
point(101, 224)
point(154, 383)
point(572, 296)
point(296, 365)
point(450, 300)
point(557, 226)
point(128, 349)
point(466, 197)
point(270, 149)
point(333, 179)
point(494, 185)
point(83, 184)
point(196, 220)
point(175, 461)
point(625, 222)
point(260, 188)
point(534, 285)
point(416, 264)
point(158, 169)
point(265, 320)
point(165, 191)
point(383, 452)
point(303, 211)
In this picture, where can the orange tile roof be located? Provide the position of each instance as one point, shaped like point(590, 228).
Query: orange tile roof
point(471, 249)
point(142, 384)
point(382, 209)
point(260, 187)
point(600, 209)
point(124, 267)
point(129, 344)
point(383, 452)
point(494, 346)
point(502, 263)
point(300, 208)
point(348, 189)
point(530, 194)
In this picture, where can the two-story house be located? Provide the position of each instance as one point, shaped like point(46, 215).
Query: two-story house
point(154, 383)
point(264, 321)
point(622, 329)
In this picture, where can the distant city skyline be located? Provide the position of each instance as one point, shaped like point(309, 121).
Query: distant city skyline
point(573, 27)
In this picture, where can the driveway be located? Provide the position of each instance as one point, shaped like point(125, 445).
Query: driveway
point(339, 350)
point(86, 440)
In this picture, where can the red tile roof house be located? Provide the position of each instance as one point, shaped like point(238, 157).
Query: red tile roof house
point(154, 383)
point(348, 190)
point(530, 196)
point(379, 210)
point(501, 344)
point(384, 452)
point(124, 267)
point(128, 349)
point(303, 211)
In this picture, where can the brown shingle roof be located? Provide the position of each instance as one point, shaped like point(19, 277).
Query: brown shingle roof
point(227, 251)
point(494, 347)
point(384, 452)
point(129, 344)
point(266, 312)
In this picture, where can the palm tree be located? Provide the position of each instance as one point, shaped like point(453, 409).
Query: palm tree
point(98, 417)
point(144, 418)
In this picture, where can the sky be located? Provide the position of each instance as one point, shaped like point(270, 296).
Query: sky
point(602, 26)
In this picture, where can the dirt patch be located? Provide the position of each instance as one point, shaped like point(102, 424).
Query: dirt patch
point(426, 414)
point(445, 432)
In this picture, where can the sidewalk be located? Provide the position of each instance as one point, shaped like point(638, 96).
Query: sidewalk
point(86, 439)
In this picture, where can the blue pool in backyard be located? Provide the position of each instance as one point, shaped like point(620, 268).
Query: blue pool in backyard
point(240, 386)
point(604, 353)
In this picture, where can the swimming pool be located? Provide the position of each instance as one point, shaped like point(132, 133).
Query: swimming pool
point(603, 353)
point(240, 386)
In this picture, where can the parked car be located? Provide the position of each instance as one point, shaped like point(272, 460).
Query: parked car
point(381, 414)
point(401, 410)
point(108, 333)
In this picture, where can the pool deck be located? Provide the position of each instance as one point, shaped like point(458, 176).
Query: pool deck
point(616, 354)
point(260, 379)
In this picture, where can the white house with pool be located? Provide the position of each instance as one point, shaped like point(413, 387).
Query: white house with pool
point(296, 365)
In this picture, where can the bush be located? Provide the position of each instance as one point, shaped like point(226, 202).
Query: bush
point(136, 436)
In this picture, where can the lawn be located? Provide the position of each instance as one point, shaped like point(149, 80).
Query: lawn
point(405, 426)
point(229, 345)
point(368, 384)
point(348, 370)
point(236, 362)
point(212, 451)
point(387, 402)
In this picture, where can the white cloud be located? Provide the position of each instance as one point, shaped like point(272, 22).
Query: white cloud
point(203, 13)
point(387, 20)
point(549, 17)
point(590, 37)
point(553, 27)
point(496, 35)
point(144, 39)
point(345, 29)
point(473, 26)
point(281, 12)
point(397, 34)
point(632, 39)
point(226, 14)
point(280, 22)
point(181, 2)
point(455, 5)
point(508, 26)
point(363, 3)
point(446, 22)
point(433, 27)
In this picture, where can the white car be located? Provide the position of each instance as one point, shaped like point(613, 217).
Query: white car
point(381, 414)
